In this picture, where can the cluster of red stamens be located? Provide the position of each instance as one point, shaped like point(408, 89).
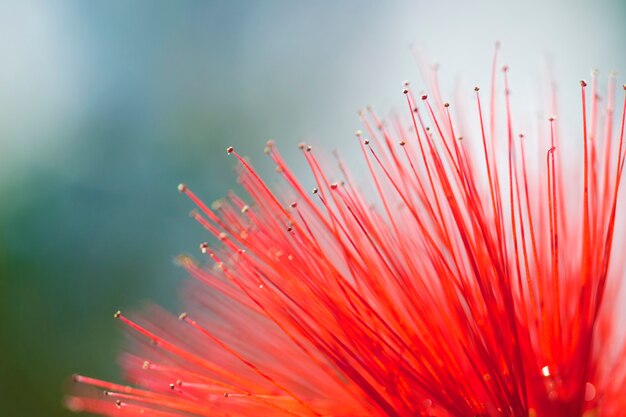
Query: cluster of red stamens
point(471, 279)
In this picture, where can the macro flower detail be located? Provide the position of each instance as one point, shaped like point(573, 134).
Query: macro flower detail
point(467, 270)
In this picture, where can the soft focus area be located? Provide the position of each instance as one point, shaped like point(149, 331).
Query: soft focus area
point(106, 106)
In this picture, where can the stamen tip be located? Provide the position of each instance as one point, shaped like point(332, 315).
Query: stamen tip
point(74, 404)
point(184, 261)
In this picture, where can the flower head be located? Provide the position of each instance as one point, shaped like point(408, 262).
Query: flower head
point(472, 273)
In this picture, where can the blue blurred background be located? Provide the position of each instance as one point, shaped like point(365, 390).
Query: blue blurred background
point(106, 106)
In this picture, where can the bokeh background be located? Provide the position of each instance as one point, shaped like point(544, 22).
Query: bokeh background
point(106, 106)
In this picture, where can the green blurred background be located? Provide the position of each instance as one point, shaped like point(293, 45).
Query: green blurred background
point(106, 106)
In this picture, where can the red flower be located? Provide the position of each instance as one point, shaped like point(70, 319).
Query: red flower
point(470, 279)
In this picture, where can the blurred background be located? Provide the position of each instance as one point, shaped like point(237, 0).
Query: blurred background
point(106, 106)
